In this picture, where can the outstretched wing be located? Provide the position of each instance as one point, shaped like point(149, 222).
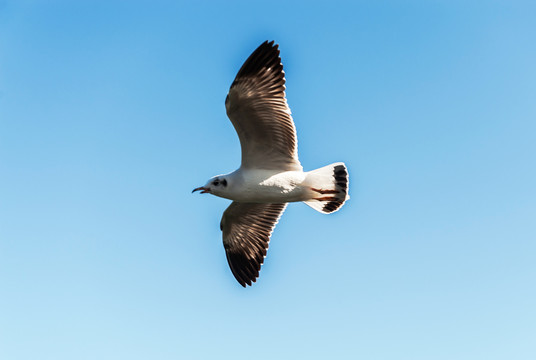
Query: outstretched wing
point(246, 231)
point(257, 107)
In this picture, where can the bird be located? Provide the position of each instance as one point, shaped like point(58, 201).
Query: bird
point(270, 175)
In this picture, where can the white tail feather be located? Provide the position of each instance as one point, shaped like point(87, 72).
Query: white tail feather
point(329, 187)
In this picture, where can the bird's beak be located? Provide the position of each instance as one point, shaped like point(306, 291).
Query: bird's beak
point(203, 189)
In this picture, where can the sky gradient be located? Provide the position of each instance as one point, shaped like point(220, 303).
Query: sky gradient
point(112, 112)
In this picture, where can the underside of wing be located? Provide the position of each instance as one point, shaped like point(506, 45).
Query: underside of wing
point(247, 228)
point(258, 109)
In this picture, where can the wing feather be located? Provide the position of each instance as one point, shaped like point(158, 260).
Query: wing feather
point(258, 109)
point(247, 228)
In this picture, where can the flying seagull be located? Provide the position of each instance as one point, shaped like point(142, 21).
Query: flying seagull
point(270, 175)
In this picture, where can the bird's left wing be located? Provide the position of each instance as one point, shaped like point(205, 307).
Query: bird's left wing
point(247, 228)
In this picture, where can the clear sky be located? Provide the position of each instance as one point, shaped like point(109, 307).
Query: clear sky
point(111, 112)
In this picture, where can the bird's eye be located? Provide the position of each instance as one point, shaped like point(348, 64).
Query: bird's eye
point(224, 182)
point(216, 183)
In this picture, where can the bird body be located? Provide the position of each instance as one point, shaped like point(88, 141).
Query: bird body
point(270, 175)
point(269, 186)
point(262, 186)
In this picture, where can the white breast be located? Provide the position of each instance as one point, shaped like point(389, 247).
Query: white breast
point(267, 186)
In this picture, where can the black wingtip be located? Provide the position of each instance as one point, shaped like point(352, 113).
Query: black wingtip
point(264, 56)
point(268, 46)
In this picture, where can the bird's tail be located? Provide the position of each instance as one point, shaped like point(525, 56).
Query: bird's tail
point(328, 188)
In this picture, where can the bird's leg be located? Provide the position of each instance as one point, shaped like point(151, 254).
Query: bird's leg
point(326, 198)
point(320, 191)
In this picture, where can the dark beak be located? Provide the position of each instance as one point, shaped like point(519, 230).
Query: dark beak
point(203, 189)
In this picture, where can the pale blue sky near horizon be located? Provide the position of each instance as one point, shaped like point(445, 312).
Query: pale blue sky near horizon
point(112, 112)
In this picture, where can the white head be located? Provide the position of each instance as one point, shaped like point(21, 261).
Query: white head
point(218, 185)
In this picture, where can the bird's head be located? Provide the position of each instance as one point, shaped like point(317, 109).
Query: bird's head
point(216, 186)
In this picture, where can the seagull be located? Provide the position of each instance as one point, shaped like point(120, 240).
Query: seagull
point(270, 175)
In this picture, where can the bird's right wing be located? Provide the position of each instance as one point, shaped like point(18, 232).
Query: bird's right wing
point(247, 228)
point(258, 109)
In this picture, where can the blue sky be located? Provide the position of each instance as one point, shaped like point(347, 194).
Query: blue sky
point(112, 112)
